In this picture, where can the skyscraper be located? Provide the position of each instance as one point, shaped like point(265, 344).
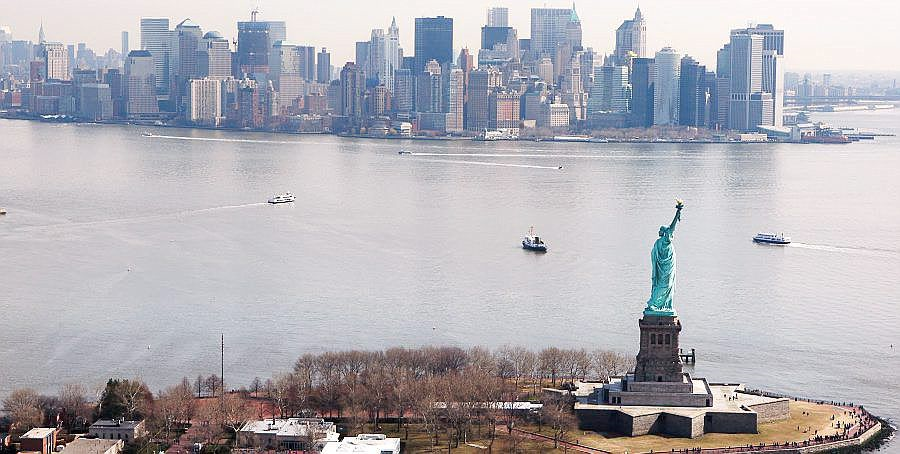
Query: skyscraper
point(353, 89)
point(156, 38)
point(404, 93)
point(552, 28)
point(255, 43)
point(384, 55)
point(140, 83)
point(631, 38)
point(323, 67)
point(746, 78)
point(204, 102)
point(126, 46)
point(611, 92)
point(666, 87)
point(286, 73)
point(693, 94)
point(433, 41)
point(643, 78)
point(185, 62)
point(455, 120)
point(215, 56)
point(498, 17)
point(56, 61)
point(482, 83)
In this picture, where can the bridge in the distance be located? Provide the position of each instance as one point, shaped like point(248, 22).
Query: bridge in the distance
point(807, 100)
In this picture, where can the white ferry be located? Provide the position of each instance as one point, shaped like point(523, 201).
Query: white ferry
point(771, 238)
point(286, 197)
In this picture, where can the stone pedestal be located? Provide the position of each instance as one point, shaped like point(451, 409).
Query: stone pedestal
point(658, 359)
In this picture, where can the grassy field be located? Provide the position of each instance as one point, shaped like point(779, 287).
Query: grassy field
point(807, 416)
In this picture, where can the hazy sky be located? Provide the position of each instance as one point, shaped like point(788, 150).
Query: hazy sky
point(819, 34)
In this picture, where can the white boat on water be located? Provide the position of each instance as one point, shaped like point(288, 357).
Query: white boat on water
point(2, 211)
point(533, 242)
point(285, 197)
point(771, 238)
point(147, 134)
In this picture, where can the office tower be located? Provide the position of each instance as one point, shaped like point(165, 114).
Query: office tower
point(504, 109)
point(140, 85)
point(185, 65)
point(404, 93)
point(666, 87)
point(611, 92)
point(499, 46)
point(757, 66)
point(117, 88)
point(498, 17)
point(353, 90)
point(723, 87)
point(746, 78)
point(286, 72)
point(95, 102)
point(429, 89)
point(631, 38)
point(545, 70)
point(214, 57)
point(156, 38)
point(70, 59)
point(773, 83)
point(466, 63)
point(126, 46)
point(255, 43)
point(41, 37)
point(433, 41)
point(307, 62)
point(205, 102)
point(56, 61)
point(693, 94)
point(384, 55)
point(588, 60)
point(643, 78)
point(323, 67)
point(456, 108)
point(552, 28)
point(482, 83)
point(5, 34)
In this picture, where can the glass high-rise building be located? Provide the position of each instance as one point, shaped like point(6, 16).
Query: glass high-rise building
point(156, 38)
point(323, 66)
point(643, 78)
point(666, 87)
point(552, 28)
point(433, 41)
point(631, 38)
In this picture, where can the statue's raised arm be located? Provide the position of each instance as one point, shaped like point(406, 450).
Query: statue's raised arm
point(678, 206)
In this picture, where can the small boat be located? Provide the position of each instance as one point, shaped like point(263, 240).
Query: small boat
point(771, 238)
point(404, 152)
point(2, 211)
point(559, 168)
point(533, 242)
point(147, 134)
point(285, 197)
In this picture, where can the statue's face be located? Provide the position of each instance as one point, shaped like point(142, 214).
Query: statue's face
point(662, 230)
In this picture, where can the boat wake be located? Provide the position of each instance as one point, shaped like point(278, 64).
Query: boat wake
point(534, 155)
point(847, 249)
point(491, 164)
point(139, 219)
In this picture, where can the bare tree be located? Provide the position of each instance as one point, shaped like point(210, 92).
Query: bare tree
point(23, 407)
point(72, 398)
point(557, 414)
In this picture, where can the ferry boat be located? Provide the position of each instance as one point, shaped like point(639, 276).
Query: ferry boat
point(533, 242)
point(2, 211)
point(404, 152)
point(286, 197)
point(771, 238)
point(147, 134)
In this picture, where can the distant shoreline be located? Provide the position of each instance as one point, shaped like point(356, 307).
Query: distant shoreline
point(568, 139)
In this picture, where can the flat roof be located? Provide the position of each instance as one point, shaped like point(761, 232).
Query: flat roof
point(112, 424)
point(287, 427)
point(90, 446)
point(39, 432)
point(363, 444)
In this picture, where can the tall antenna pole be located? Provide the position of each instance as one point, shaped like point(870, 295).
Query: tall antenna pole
point(222, 376)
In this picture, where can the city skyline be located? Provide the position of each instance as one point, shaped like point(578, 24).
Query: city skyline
point(814, 45)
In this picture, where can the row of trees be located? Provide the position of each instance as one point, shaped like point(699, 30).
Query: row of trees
point(449, 391)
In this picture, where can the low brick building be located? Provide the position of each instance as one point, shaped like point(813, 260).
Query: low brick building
point(39, 439)
point(118, 429)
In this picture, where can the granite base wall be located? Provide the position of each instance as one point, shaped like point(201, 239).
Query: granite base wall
point(731, 422)
point(662, 399)
point(772, 411)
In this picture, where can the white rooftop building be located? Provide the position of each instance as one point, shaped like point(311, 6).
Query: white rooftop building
point(364, 444)
point(287, 434)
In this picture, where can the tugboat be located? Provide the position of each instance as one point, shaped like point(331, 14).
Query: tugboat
point(533, 242)
point(404, 152)
point(2, 211)
point(771, 238)
point(286, 197)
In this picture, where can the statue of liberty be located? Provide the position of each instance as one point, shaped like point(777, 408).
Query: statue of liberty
point(663, 258)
